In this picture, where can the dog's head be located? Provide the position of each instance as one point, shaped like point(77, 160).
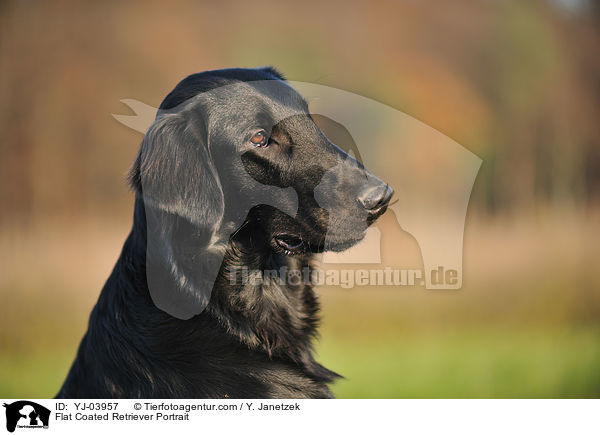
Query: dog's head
point(239, 145)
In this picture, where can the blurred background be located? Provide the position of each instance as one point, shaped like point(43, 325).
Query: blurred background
point(517, 83)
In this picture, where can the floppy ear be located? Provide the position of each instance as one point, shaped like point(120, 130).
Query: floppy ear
point(174, 172)
point(183, 208)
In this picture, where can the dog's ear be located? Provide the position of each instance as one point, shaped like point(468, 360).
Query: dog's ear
point(183, 206)
point(174, 172)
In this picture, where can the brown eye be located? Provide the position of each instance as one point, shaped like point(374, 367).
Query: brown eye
point(259, 139)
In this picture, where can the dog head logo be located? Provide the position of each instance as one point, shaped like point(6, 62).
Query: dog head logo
point(26, 414)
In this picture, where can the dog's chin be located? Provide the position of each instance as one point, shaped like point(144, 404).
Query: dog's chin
point(342, 244)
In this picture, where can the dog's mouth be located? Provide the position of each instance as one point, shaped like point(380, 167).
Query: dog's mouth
point(339, 245)
point(288, 244)
point(312, 241)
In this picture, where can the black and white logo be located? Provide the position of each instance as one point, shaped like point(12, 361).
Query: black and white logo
point(25, 414)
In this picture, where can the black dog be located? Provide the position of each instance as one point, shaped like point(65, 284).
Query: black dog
point(233, 176)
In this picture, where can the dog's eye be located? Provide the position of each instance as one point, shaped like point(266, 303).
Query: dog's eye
point(260, 139)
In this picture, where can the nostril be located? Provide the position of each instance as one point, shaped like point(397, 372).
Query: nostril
point(376, 198)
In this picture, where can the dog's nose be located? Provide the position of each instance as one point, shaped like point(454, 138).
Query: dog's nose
point(376, 199)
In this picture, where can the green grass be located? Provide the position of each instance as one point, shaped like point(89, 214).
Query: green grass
point(478, 363)
point(37, 374)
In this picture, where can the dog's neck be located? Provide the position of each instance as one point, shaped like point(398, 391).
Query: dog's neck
point(264, 316)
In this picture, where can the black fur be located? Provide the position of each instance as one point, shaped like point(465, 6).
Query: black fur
point(251, 340)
